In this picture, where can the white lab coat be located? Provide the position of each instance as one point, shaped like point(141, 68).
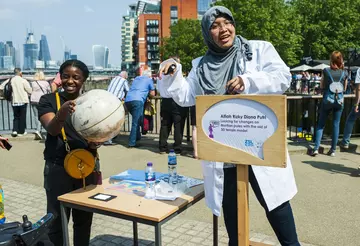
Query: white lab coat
point(266, 73)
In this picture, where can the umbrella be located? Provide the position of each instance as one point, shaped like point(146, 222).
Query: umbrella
point(320, 67)
point(301, 68)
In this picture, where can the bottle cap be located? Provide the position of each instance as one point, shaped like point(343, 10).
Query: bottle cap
point(171, 150)
point(149, 164)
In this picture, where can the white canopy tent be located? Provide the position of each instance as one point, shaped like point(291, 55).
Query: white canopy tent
point(320, 67)
point(301, 68)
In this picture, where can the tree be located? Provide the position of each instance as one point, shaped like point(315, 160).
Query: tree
point(273, 21)
point(186, 42)
point(328, 25)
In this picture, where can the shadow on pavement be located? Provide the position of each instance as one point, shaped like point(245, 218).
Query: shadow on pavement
point(116, 240)
point(151, 143)
point(334, 168)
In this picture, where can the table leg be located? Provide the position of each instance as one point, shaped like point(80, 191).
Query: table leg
point(135, 231)
point(215, 230)
point(64, 222)
point(158, 235)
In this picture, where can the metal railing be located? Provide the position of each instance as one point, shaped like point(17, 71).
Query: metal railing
point(302, 117)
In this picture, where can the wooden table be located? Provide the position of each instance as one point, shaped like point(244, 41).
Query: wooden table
point(129, 207)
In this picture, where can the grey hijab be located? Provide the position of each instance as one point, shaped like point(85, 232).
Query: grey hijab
point(218, 66)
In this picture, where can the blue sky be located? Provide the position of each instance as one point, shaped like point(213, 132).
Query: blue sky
point(81, 23)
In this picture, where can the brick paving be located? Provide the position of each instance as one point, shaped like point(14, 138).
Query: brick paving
point(22, 198)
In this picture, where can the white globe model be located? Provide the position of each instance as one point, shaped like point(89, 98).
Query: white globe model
point(98, 115)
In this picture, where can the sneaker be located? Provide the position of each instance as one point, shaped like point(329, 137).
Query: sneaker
point(344, 146)
point(38, 136)
point(314, 153)
point(22, 134)
point(331, 153)
point(14, 134)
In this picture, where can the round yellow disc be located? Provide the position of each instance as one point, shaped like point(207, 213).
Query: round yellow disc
point(79, 163)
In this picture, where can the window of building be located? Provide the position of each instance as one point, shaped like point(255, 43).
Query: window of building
point(173, 14)
point(127, 29)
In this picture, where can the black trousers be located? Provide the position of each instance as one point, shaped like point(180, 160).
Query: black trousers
point(56, 183)
point(19, 122)
point(281, 218)
point(171, 113)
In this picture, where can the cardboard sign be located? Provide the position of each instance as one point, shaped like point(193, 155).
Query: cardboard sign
point(242, 129)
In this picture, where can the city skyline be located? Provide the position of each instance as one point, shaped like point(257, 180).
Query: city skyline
point(81, 24)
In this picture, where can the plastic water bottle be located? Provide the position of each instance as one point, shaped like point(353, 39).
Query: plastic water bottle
point(2, 214)
point(150, 181)
point(172, 162)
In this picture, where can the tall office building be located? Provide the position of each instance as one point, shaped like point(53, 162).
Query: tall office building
point(101, 56)
point(153, 23)
point(7, 55)
point(67, 54)
point(44, 53)
point(127, 33)
point(30, 52)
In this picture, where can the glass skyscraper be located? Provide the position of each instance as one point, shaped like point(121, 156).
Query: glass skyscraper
point(101, 56)
point(44, 53)
point(30, 52)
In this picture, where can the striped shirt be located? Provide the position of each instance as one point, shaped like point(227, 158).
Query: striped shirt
point(118, 87)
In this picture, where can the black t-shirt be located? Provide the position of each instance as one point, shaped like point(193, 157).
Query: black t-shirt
point(54, 145)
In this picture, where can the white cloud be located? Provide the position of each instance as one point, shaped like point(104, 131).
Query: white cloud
point(88, 9)
point(7, 14)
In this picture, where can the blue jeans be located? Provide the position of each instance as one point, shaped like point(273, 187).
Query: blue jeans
point(136, 109)
point(349, 125)
point(325, 111)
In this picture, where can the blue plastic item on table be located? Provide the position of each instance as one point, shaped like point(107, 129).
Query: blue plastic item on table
point(135, 175)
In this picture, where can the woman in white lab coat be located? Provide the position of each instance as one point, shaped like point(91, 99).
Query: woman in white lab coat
point(234, 65)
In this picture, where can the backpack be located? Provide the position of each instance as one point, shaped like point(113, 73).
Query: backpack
point(8, 91)
point(335, 91)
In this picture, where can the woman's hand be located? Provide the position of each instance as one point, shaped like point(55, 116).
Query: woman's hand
point(168, 69)
point(235, 86)
point(67, 108)
point(356, 108)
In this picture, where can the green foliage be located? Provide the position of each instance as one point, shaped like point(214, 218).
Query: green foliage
point(328, 25)
point(186, 42)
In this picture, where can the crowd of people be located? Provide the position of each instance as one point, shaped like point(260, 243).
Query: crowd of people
point(232, 65)
point(309, 83)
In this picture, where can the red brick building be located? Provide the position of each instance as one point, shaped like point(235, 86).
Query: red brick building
point(154, 21)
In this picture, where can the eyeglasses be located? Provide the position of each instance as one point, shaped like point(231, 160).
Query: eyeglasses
point(226, 24)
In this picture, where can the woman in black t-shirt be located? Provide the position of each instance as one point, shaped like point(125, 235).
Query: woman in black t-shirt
point(57, 182)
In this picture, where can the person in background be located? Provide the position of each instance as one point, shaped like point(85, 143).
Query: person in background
point(56, 83)
point(39, 87)
point(171, 114)
point(354, 114)
point(141, 88)
point(118, 86)
point(57, 181)
point(21, 91)
point(235, 65)
point(332, 102)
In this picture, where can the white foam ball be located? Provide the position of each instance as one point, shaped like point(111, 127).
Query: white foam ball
point(98, 115)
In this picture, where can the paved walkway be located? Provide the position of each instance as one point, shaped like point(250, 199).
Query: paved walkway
point(22, 198)
point(325, 207)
